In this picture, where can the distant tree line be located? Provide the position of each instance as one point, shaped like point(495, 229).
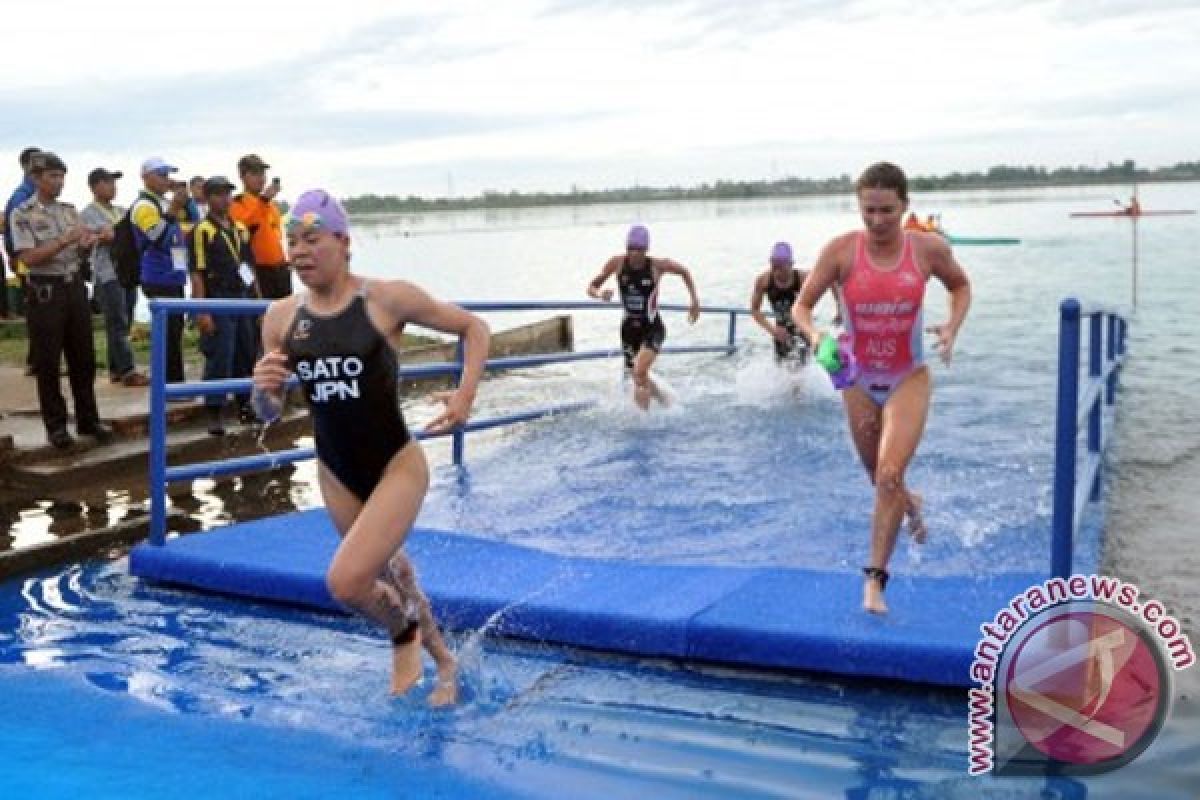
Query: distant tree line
point(998, 177)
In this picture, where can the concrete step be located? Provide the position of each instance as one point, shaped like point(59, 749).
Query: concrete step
point(87, 463)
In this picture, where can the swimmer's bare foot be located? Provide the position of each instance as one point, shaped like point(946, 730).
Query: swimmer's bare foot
point(916, 522)
point(445, 693)
point(874, 581)
point(406, 665)
point(641, 396)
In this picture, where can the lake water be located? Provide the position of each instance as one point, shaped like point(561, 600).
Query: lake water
point(1007, 349)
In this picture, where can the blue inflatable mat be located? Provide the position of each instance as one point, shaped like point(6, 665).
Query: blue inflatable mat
point(759, 617)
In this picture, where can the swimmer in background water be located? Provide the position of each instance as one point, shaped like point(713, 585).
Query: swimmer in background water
point(339, 338)
point(780, 285)
point(642, 329)
point(882, 273)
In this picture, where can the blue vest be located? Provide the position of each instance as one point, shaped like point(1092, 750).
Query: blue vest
point(157, 268)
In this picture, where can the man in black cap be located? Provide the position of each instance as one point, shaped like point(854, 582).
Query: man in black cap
point(48, 235)
point(221, 265)
point(116, 302)
point(255, 208)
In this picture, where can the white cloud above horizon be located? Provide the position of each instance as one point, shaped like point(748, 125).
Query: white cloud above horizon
point(533, 94)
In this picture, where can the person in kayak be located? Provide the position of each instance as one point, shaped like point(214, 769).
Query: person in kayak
point(882, 272)
point(337, 337)
point(642, 329)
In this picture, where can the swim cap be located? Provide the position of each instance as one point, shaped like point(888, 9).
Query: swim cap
point(638, 238)
point(781, 253)
point(316, 208)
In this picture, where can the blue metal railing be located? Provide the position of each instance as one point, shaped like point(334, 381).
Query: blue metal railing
point(1106, 353)
point(160, 391)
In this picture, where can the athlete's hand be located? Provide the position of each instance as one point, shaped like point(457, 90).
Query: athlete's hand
point(781, 334)
point(945, 342)
point(271, 372)
point(605, 296)
point(454, 415)
point(693, 313)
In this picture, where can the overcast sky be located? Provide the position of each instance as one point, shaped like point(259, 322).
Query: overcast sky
point(421, 98)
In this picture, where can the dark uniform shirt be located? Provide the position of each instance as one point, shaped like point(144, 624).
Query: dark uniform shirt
point(217, 252)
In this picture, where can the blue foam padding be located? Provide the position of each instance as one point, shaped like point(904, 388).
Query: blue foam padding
point(760, 617)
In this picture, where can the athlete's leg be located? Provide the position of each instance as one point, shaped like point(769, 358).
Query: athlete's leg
point(372, 533)
point(644, 386)
point(903, 423)
point(865, 416)
point(400, 572)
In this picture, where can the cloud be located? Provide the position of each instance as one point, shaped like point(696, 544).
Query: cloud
point(536, 94)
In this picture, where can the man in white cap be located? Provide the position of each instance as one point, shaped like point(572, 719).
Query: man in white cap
point(160, 240)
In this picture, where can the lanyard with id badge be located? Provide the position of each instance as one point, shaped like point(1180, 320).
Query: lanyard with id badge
point(179, 259)
point(245, 271)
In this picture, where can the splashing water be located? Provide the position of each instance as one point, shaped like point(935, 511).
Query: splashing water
point(470, 653)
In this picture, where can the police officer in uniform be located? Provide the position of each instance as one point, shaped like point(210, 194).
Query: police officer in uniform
point(48, 236)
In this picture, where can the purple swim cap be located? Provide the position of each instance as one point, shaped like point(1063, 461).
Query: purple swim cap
point(317, 208)
point(638, 238)
point(781, 253)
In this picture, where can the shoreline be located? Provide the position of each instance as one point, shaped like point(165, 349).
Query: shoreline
point(755, 190)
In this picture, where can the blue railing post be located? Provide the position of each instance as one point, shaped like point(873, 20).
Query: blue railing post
point(459, 440)
point(158, 424)
point(732, 328)
point(1095, 436)
point(1121, 329)
point(1110, 350)
point(1063, 522)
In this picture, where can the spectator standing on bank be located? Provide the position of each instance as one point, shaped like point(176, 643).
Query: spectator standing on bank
point(116, 302)
point(255, 208)
point(222, 266)
point(160, 240)
point(197, 205)
point(48, 235)
point(23, 192)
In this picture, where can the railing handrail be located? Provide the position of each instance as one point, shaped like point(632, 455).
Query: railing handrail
point(248, 306)
point(161, 475)
point(1107, 329)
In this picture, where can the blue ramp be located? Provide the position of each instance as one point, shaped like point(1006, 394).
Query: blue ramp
point(763, 617)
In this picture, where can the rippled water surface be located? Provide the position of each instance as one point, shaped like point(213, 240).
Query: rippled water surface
point(195, 693)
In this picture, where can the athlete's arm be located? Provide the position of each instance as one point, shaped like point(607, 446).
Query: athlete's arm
point(945, 267)
point(823, 276)
point(593, 289)
point(666, 265)
point(271, 372)
point(756, 298)
point(412, 304)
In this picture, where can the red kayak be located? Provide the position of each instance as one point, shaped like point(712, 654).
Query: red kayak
point(1175, 213)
